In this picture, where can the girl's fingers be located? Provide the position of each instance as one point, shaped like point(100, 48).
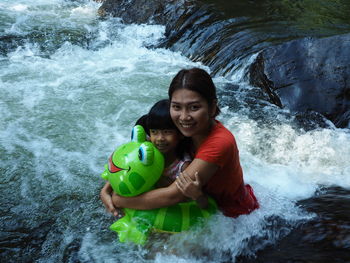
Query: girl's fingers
point(110, 208)
point(114, 212)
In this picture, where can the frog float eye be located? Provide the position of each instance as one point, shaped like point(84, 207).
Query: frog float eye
point(146, 153)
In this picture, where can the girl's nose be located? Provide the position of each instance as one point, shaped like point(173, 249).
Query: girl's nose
point(160, 136)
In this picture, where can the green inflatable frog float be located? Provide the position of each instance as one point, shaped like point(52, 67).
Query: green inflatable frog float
point(134, 168)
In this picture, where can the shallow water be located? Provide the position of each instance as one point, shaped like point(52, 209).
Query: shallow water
point(72, 86)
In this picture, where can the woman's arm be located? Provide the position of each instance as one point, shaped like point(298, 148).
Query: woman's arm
point(192, 188)
point(166, 196)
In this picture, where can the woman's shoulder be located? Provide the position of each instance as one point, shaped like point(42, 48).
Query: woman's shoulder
point(220, 132)
point(218, 147)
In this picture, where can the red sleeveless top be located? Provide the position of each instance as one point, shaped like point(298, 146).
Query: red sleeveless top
point(226, 186)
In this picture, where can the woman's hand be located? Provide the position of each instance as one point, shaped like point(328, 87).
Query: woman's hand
point(189, 187)
point(106, 198)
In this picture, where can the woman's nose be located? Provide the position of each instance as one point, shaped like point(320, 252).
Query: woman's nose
point(185, 115)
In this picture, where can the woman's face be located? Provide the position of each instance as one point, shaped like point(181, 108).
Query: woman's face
point(190, 112)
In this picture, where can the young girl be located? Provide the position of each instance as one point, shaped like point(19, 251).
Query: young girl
point(167, 139)
point(163, 133)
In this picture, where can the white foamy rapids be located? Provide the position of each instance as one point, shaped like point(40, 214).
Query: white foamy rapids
point(79, 100)
point(292, 162)
point(64, 113)
point(23, 16)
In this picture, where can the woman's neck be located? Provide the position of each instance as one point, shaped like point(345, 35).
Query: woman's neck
point(198, 139)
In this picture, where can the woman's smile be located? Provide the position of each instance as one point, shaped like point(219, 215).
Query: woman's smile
point(186, 125)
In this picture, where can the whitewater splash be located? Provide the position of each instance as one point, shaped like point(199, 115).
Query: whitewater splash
point(70, 90)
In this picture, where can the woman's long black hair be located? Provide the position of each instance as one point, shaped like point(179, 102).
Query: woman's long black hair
point(198, 80)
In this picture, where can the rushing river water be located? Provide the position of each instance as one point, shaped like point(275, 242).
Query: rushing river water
point(71, 87)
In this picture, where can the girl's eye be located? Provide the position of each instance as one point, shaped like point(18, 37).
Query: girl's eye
point(168, 131)
point(153, 132)
point(146, 154)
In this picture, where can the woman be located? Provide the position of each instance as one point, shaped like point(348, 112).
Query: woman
point(215, 164)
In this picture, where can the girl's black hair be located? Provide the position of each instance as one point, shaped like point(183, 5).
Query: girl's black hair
point(143, 122)
point(159, 116)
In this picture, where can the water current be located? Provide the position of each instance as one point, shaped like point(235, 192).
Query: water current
point(71, 87)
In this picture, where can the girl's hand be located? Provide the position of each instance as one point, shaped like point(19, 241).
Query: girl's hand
point(115, 202)
point(189, 187)
point(106, 198)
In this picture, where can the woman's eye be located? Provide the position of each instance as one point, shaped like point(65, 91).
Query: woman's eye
point(175, 107)
point(194, 107)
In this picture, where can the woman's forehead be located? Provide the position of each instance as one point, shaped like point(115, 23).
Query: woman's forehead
point(186, 96)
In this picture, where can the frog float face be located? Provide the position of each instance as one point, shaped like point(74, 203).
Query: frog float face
point(134, 167)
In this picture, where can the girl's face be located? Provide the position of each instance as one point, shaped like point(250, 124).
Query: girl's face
point(165, 140)
point(191, 113)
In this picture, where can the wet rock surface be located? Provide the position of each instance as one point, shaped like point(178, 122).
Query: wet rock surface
point(318, 240)
point(307, 74)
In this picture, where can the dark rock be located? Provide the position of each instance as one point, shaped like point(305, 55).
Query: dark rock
point(304, 75)
point(317, 240)
point(141, 11)
point(258, 78)
point(308, 74)
point(9, 43)
point(194, 28)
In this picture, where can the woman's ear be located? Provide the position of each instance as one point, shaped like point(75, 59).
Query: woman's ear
point(213, 108)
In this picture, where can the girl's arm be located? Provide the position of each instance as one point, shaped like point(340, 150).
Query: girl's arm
point(166, 196)
point(156, 198)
